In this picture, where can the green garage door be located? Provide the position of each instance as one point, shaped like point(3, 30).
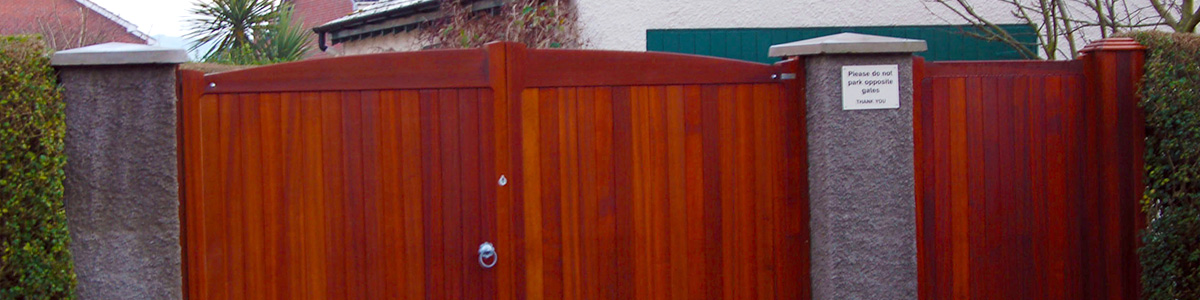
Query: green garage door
point(945, 42)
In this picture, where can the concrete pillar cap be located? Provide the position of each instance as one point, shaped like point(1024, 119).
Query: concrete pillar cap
point(118, 54)
point(846, 43)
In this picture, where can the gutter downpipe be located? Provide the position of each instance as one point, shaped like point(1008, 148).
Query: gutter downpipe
point(321, 41)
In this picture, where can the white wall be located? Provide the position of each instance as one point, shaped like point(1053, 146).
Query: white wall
point(622, 24)
point(396, 42)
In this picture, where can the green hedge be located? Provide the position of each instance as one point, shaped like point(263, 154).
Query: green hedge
point(35, 262)
point(1171, 99)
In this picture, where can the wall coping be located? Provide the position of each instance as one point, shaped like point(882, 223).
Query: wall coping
point(118, 54)
point(846, 43)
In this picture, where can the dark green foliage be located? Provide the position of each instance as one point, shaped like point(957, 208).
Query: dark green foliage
point(248, 32)
point(35, 262)
point(1171, 99)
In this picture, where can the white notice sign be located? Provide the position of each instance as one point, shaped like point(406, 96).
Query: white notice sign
point(870, 87)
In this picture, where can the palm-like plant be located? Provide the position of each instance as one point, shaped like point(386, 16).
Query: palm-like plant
point(247, 32)
point(285, 40)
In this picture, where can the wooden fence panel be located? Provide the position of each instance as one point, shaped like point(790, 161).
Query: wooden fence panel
point(1026, 178)
point(628, 175)
point(365, 194)
point(681, 217)
point(652, 176)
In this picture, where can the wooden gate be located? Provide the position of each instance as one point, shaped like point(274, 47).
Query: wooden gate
point(597, 175)
point(1029, 176)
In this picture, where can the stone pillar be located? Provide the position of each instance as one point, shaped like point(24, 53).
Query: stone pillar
point(122, 191)
point(861, 175)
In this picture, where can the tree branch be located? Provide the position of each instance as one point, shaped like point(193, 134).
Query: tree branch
point(1165, 13)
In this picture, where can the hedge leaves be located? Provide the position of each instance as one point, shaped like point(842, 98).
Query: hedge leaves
point(1171, 99)
point(34, 259)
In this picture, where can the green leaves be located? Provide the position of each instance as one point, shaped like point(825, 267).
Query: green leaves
point(248, 32)
point(34, 258)
point(1171, 101)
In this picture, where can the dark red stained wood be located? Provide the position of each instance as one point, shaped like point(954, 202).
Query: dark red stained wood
point(232, 190)
point(713, 245)
point(1024, 247)
point(487, 178)
point(432, 197)
point(630, 175)
point(551, 193)
point(216, 263)
point(451, 192)
point(745, 204)
point(588, 211)
point(1016, 67)
point(292, 200)
point(300, 186)
point(530, 225)
point(725, 153)
point(470, 198)
point(569, 68)
point(588, 192)
point(793, 216)
point(639, 226)
point(352, 191)
point(622, 172)
point(568, 163)
point(252, 205)
point(416, 70)
point(313, 193)
point(412, 136)
point(1051, 181)
point(191, 191)
point(606, 269)
point(921, 106)
point(391, 210)
point(498, 162)
point(333, 171)
point(373, 205)
point(767, 188)
point(692, 157)
point(512, 89)
point(274, 244)
point(656, 193)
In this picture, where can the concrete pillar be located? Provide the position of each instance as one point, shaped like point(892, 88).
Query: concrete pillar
point(861, 175)
point(122, 191)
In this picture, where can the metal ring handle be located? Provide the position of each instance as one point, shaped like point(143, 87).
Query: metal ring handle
point(486, 250)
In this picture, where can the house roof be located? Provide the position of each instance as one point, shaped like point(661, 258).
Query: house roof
point(379, 12)
point(373, 21)
point(129, 27)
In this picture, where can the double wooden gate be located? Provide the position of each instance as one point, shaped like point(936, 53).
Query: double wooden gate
point(596, 175)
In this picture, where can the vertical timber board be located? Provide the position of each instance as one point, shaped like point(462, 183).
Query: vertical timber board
point(292, 190)
point(1048, 184)
point(632, 175)
point(287, 191)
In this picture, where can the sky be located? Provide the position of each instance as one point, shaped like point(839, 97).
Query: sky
point(165, 20)
point(154, 17)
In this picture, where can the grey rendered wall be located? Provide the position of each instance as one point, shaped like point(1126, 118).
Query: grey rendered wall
point(122, 193)
point(861, 186)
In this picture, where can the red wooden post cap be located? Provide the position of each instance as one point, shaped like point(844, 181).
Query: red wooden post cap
point(1113, 44)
